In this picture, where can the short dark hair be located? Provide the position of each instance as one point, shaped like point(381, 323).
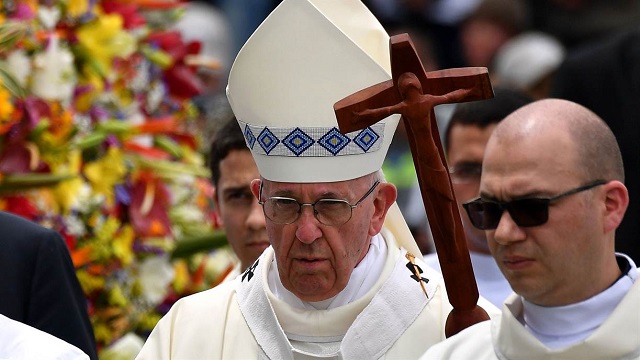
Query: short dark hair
point(227, 138)
point(483, 113)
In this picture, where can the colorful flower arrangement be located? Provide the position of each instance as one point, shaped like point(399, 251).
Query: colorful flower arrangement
point(100, 140)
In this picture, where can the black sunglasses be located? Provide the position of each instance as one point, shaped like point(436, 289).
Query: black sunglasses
point(486, 214)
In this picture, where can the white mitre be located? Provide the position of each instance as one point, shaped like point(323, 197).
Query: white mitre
point(302, 59)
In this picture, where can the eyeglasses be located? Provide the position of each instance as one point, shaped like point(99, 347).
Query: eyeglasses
point(331, 212)
point(486, 215)
point(466, 173)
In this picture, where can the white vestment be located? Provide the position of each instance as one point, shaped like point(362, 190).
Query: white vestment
point(19, 341)
point(242, 319)
point(618, 337)
point(492, 285)
point(235, 271)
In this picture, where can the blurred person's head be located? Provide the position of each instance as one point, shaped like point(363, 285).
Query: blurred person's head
point(489, 27)
point(206, 25)
point(466, 137)
point(529, 61)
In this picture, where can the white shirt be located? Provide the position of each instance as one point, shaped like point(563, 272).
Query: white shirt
point(612, 336)
point(19, 341)
point(492, 285)
point(562, 326)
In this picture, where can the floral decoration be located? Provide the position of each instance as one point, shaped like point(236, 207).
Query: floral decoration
point(99, 140)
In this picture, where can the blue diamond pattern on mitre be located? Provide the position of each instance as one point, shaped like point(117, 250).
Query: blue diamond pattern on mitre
point(267, 140)
point(311, 141)
point(297, 141)
point(334, 141)
point(366, 138)
point(249, 137)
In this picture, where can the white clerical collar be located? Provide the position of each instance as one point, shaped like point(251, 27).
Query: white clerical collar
point(363, 277)
point(561, 326)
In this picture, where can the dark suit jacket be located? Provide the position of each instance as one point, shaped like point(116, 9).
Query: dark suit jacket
point(38, 283)
point(605, 77)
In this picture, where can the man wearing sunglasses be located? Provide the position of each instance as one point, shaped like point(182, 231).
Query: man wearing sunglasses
point(466, 137)
point(343, 278)
point(551, 198)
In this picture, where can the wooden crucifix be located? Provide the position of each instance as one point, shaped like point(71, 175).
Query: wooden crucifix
point(414, 93)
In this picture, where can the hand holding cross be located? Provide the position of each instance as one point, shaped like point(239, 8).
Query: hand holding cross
point(414, 93)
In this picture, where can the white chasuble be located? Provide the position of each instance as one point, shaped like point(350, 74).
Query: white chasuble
point(617, 337)
point(240, 319)
point(351, 331)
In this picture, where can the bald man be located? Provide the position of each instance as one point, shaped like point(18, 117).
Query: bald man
point(552, 194)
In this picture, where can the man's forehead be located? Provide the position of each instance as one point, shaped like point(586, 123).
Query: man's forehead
point(341, 187)
point(508, 175)
point(238, 166)
point(504, 187)
point(469, 140)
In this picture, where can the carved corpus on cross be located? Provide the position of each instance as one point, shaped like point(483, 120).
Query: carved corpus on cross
point(413, 93)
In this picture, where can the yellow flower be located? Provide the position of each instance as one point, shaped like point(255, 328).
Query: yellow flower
point(53, 142)
point(181, 279)
point(7, 111)
point(148, 321)
point(104, 39)
point(94, 82)
point(88, 282)
point(61, 122)
point(116, 297)
point(6, 106)
point(102, 249)
point(106, 172)
point(122, 245)
point(67, 192)
point(75, 8)
point(102, 332)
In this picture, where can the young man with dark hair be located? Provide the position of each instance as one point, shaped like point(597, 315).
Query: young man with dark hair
point(232, 169)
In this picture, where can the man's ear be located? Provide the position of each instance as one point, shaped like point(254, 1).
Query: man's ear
point(616, 203)
point(255, 188)
point(214, 195)
point(386, 194)
point(216, 206)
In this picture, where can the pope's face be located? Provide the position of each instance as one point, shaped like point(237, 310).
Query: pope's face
point(240, 213)
point(465, 151)
point(315, 261)
point(560, 261)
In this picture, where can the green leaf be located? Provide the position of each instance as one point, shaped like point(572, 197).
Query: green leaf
point(167, 144)
point(10, 82)
point(91, 140)
point(10, 33)
point(189, 246)
point(168, 168)
point(19, 182)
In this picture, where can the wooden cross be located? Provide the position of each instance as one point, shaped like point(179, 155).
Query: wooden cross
point(414, 93)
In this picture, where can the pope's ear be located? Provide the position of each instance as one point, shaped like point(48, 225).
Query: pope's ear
point(616, 202)
point(385, 196)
